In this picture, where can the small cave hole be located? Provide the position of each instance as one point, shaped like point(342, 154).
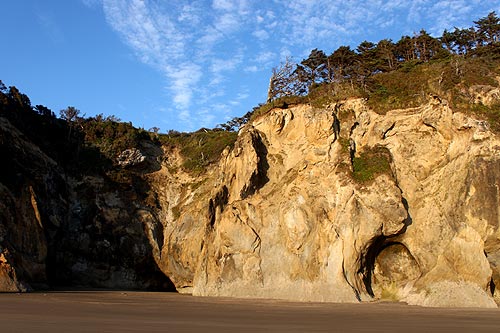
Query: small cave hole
point(492, 287)
point(387, 267)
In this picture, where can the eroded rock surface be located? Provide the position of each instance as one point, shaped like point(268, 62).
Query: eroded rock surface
point(335, 204)
point(287, 218)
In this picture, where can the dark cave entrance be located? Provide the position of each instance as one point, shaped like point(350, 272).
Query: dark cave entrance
point(387, 267)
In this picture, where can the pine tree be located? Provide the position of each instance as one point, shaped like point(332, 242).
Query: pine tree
point(340, 63)
point(313, 69)
point(488, 28)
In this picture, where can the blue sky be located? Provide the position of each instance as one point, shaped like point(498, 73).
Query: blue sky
point(189, 64)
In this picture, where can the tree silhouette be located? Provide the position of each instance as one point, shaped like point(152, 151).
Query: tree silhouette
point(69, 114)
point(285, 81)
point(488, 28)
point(72, 116)
point(313, 69)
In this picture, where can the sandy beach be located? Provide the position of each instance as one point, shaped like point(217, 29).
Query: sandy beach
point(120, 311)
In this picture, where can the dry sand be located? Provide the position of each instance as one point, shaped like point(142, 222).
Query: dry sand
point(105, 311)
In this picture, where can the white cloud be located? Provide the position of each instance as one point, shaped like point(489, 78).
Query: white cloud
point(206, 42)
point(185, 116)
point(154, 37)
point(221, 108)
point(203, 47)
point(92, 3)
point(227, 23)
point(242, 95)
point(251, 69)
point(50, 27)
point(158, 42)
point(222, 65)
point(184, 78)
point(226, 5)
point(190, 14)
point(265, 57)
point(270, 15)
point(238, 98)
point(261, 34)
point(207, 117)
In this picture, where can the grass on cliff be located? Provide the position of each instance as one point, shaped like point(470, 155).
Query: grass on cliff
point(371, 163)
point(280, 103)
point(320, 95)
point(199, 149)
point(448, 78)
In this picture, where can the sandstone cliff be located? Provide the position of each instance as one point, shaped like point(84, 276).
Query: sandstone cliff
point(297, 211)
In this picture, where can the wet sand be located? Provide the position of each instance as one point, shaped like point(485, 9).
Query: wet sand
point(115, 311)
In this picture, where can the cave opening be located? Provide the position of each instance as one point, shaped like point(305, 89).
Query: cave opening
point(387, 268)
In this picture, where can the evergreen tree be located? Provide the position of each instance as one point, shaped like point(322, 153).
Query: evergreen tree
point(69, 114)
point(405, 50)
point(285, 81)
point(488, 28)
point(426, 46)
point(340, 64)
point(386, 52)
point(313, 69)
point(465, 40)
point(448, 40)
point(366, 63)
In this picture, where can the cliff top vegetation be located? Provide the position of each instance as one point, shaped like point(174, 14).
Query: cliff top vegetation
point(389, 75)
point(400, 74)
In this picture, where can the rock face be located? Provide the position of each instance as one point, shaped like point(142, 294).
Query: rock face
point(290, 222)
point(130, 157)
point(287, 217)
point(485, 94)
point(335, 204)
point(57, 230)
point(24, 194)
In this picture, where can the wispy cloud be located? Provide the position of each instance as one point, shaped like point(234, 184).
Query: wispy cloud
point(202, 48)
point(179, 41)
point(261, 34)
point(251, 69)
point(184, 78)
point(49, 26)
point(265, 58)
point(222, 65)
point(159, 42)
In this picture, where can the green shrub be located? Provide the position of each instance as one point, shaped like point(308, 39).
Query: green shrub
point(344, 143)
point(201, 148)
point(490, 113)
